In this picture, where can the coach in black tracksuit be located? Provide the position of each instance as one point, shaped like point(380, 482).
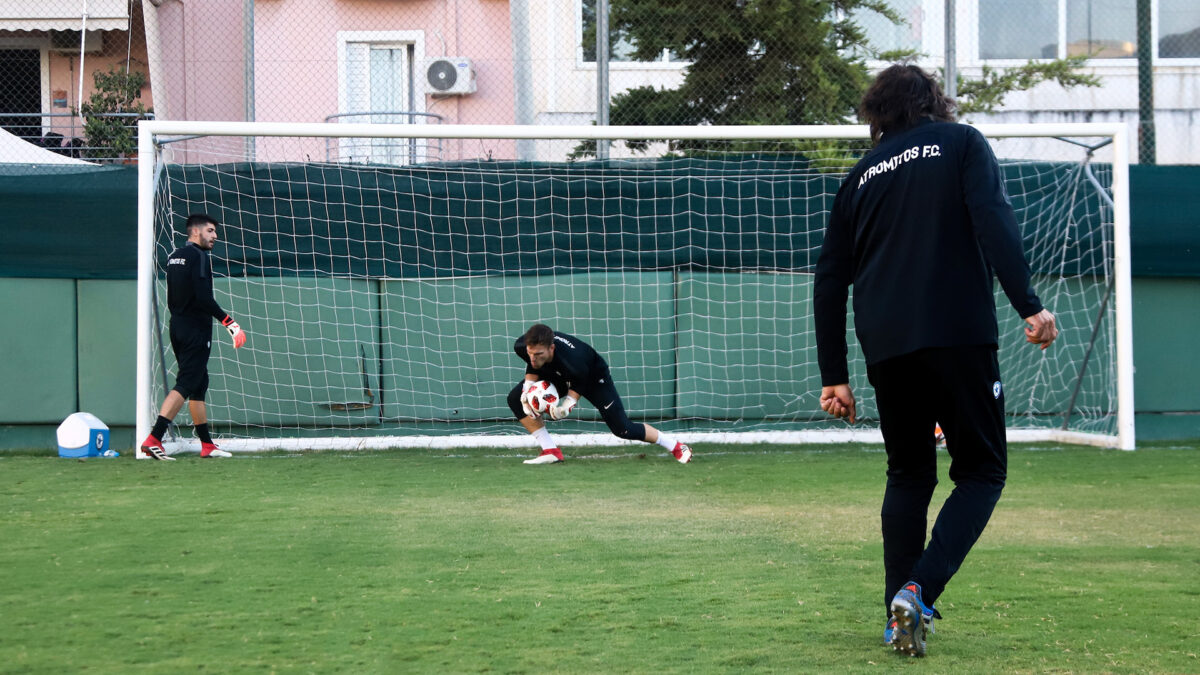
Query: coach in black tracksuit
point(919, 227)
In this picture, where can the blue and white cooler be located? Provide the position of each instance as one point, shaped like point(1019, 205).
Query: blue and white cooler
point(83, 435)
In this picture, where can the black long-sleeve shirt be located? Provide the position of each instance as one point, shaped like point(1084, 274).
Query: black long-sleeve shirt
point(918, 227)
point(575, 364)
point(190, 289)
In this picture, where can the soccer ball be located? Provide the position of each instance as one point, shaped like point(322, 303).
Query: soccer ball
point(542, 395)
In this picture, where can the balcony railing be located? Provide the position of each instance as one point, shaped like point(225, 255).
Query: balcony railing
point(64, 134)
point(383, 150)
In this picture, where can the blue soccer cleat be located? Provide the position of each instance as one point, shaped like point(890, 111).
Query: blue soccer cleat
point(927, 617)
point(911, 616)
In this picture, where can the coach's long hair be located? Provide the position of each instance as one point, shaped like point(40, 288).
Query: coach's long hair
point(899, 97)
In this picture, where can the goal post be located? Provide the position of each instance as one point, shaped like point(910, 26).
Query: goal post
point(381, 300)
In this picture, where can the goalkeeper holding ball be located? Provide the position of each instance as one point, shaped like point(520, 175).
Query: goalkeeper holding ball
point(572, 366)
point(193, 308)
point(919, 226)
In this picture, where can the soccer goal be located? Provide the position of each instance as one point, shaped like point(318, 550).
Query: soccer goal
point(383, 272)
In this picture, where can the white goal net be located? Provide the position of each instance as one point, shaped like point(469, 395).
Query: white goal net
point(382, 300)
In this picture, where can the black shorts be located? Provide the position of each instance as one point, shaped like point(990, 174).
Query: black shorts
point(192, 347)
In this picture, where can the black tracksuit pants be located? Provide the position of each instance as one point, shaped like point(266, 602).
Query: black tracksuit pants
point(959, 388)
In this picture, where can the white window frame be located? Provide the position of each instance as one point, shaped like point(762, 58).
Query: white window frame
point(1155, 13)
point(969, 16)
point(381, 38)
point(664, 62)
point(391, 39)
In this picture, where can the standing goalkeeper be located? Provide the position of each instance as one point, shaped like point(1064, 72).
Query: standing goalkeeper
point(919, 227)
point(193, 308)
point(572, 366)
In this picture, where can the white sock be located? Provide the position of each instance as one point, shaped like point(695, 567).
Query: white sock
point(542, 436)
point(666, 441)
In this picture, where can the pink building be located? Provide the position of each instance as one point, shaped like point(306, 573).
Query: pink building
point(270, 60)
point(309, 60)
point(521, 61)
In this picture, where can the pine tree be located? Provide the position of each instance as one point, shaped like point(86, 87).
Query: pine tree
point(773, 62)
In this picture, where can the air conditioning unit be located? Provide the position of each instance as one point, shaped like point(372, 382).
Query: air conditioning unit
point(450, 76)
point(68, 41)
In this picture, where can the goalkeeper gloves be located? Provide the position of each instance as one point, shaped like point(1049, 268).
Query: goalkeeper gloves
point(560, 411)
point(235, 331)
point(526, 385)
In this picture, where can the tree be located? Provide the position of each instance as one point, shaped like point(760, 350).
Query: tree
point(752, 61)
point(108, 124)
point(987, 93)
point(773, 62)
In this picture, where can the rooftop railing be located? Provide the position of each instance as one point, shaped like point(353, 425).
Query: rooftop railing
point(383, 150)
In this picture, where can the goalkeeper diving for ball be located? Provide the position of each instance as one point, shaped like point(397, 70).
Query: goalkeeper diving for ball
point(572, 366)
point(193, 308)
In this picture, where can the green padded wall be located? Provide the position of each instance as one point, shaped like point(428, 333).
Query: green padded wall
point(43, 354)
point(291, 367)
point(38, 364)
point(1166, 323)
point(713, 306)
point(108, 349)
point(483, 316)
point(1026, 368)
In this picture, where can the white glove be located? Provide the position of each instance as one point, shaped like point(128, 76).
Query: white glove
point(560, 411)
point(526, 385)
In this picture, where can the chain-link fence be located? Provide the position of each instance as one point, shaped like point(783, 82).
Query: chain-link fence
point(77, 74)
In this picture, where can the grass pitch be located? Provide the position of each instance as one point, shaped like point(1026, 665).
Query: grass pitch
point(764, 559)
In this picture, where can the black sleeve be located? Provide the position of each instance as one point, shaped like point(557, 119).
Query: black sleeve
point(995, 223)
point(202, 286)
point(582, 365)
point(834, 274)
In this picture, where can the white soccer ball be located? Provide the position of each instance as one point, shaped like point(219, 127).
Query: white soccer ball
point(542, 395)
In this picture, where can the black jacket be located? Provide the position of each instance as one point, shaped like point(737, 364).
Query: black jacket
point(918, 227)
point(190, 289)
point(575, 365)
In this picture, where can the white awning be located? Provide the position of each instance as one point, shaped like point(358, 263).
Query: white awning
point(14, 150)
point(63, 14)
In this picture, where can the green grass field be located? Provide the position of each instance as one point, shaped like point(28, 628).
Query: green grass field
point(764, 559)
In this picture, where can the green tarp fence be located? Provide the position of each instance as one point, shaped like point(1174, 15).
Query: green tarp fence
point(509, 218)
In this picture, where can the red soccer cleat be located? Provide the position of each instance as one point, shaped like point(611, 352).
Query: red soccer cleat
point(551, 456)
point(153, 448)
point(211, 450)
